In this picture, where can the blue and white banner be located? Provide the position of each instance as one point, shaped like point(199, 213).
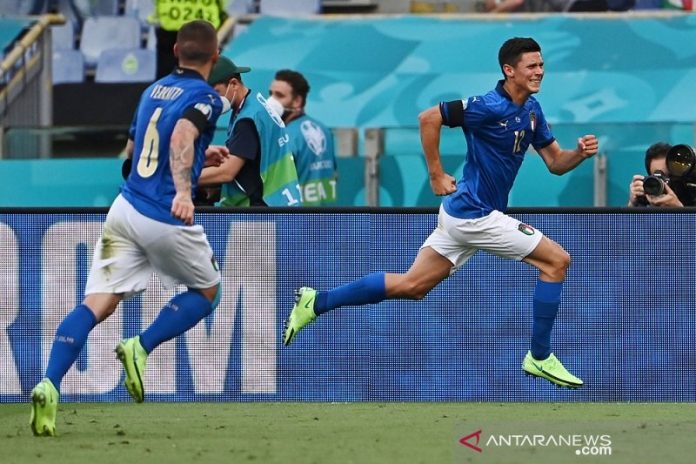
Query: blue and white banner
point(626, 324)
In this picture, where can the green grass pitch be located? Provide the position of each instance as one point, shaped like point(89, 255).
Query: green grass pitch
point(96, 433)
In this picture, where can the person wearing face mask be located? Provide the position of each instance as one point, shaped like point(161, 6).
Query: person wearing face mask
point(260, 170)
point(312, 142)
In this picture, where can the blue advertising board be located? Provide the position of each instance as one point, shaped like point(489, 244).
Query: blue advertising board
point(626, 325)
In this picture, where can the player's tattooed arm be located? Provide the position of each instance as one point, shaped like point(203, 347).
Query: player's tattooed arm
point(181, 154)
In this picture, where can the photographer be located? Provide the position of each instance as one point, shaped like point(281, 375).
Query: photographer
point(655, 165)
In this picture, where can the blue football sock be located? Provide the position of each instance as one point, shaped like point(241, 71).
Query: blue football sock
point(547, 297)
point(368, 289)
point(71, 336)
point(176, 317)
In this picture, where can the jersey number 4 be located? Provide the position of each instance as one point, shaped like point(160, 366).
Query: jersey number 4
point(147, 161)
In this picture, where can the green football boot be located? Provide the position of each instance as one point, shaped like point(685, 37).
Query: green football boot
point(550, 369)
point(44, 405)
point(134, 358)
point(302, 313)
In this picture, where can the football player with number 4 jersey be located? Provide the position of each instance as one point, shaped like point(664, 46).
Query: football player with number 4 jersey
point(150, 225)
point(499, 127)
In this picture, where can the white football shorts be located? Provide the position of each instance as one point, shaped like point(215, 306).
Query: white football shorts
point(132, 247)
point(498, 234)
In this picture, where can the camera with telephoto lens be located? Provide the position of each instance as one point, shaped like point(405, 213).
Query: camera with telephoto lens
point(655, 183)
point(681, 164)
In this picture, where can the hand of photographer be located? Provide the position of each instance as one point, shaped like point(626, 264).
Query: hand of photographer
point(667, 199)
point(635, 190)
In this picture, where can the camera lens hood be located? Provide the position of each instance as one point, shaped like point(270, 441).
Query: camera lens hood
point(681, 161)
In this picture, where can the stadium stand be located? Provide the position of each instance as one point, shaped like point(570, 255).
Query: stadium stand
point(151, 38)
point(63, 36)
point(21, 7)
point(126, 65)
point(237, 7)
point(91, 8)
point(284, 8)
point(141, 9)
point(101, 33)
point(68, 66)
point(68, 10)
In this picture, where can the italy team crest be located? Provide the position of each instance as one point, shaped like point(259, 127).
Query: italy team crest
point(532, 120)
point(526, 229)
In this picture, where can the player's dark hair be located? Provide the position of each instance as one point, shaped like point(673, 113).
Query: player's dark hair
point(197, 42)
point(297, 82)
point(512, 50)
point(655, 151)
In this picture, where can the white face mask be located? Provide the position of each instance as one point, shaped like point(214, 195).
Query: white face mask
point(275, 105)
point(227, 104)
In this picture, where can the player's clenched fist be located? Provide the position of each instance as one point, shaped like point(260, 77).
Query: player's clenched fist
point(588, 145)
point(443, 184)
point(182, 208)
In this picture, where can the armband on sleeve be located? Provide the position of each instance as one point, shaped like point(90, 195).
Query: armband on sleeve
point(198, 119)
point(452, 113)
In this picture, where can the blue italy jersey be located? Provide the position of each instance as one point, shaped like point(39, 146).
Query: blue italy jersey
point(498, 133)
point(183, 93)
